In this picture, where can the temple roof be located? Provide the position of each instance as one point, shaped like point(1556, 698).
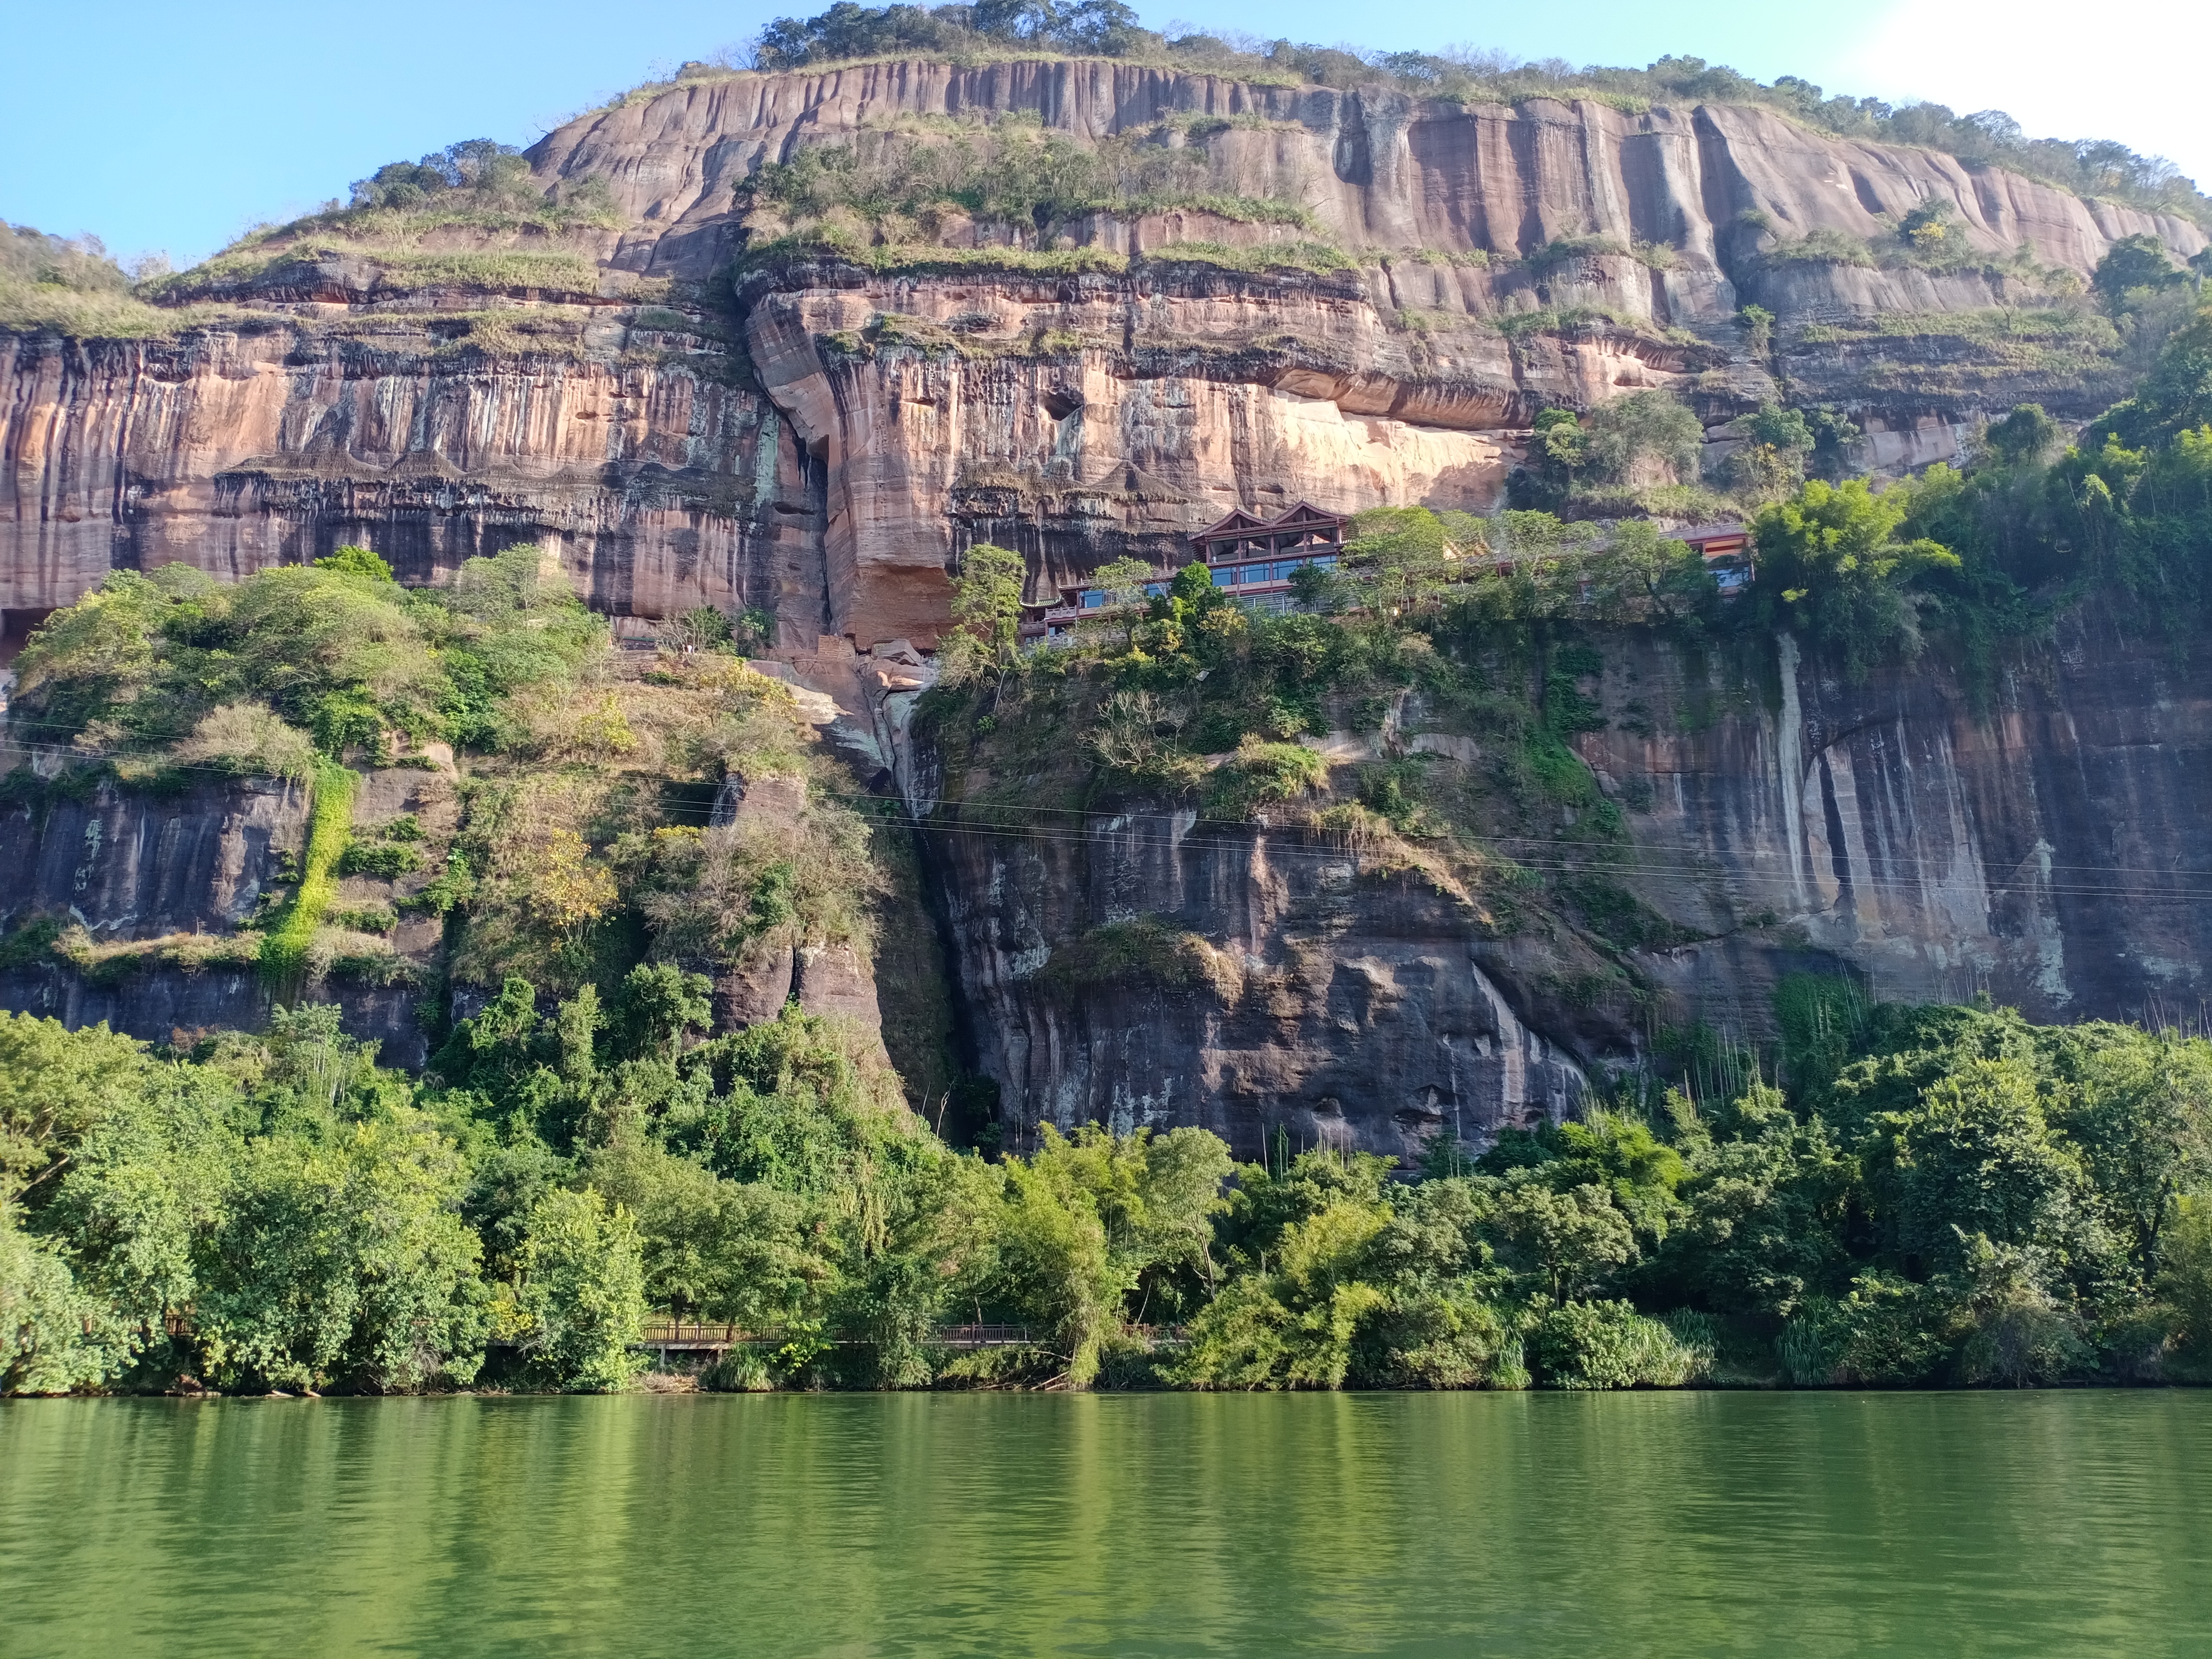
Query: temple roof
point(1303, 512)
point(1299, 516)
point(1236, 522)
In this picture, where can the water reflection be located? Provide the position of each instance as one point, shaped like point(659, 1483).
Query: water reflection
point(1011, 1524)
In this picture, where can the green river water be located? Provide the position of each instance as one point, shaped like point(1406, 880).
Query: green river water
point(781, 1525)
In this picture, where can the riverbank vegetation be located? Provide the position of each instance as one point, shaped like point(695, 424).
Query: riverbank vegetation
point(1928, 1196)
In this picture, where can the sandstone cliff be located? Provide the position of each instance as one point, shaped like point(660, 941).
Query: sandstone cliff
point(1377, 169)
point(680, 424)
point(1928, 845)
point(818, 442)
point(235, 451)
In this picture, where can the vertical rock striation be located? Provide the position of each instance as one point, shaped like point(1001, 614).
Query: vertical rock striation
point(2044, 839)
point(821, 440)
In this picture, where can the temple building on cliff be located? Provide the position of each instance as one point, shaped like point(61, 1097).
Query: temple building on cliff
point(1251, 558)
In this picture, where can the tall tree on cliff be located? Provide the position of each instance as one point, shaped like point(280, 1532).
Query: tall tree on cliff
point(986, 614)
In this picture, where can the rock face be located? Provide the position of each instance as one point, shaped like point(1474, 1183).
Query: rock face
point(823, 441)
point(1278, 991)
point(658, 487)
point(820, 444)
point(1377, 168)
point(168, 1003)
point(130, 866)
point(2044, 842)
point(2040, 843)
point(821, 978)
point(1160, 408)
point(179, 869)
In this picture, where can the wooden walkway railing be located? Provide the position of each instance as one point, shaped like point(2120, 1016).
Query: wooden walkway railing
point(678, 1335)
point(694, 1336)
point(689, 1336)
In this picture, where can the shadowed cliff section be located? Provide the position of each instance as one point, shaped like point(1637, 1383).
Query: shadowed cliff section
point(152, 896)
point(2044, 842)
point(1331, 969)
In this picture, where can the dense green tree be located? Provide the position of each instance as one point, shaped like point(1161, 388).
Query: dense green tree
point(577, 1300)
point(658, 1003)
point(738, 1251)
point(1974, 1156)
point(1086, 1224)
point(1777, 442)
point(1652, 427)
point(1292, 1321)
point(1562, 1244)
point(2140, 1112)
point(2026, 434)
point(53, 1337)
point(2185, 1281)
point(987, 613)
point(1884, 1330)
point(147, 1198)
point(2175, 398)
point(1763, 1209)
point(343, 1261)
point(1443, 1325)
point(2133, 266)
point(56, 1086)
point(1830, 561)
point(337, 649)
point(1605, 1345)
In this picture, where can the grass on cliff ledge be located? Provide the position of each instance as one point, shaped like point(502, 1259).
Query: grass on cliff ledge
point(54, 285)
point(918, 183)
point(49, 285)
point(928, 259)
point(400, 269)
point(49, 308)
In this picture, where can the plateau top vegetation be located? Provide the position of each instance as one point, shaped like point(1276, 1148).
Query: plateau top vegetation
point(482, 187)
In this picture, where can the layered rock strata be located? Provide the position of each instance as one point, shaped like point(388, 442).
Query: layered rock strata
point(821, 440)
point(821, 443)
point(2045, 840)
point(1377, 168)
point(657, 486)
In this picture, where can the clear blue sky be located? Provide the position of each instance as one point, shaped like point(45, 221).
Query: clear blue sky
point(173, 128)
